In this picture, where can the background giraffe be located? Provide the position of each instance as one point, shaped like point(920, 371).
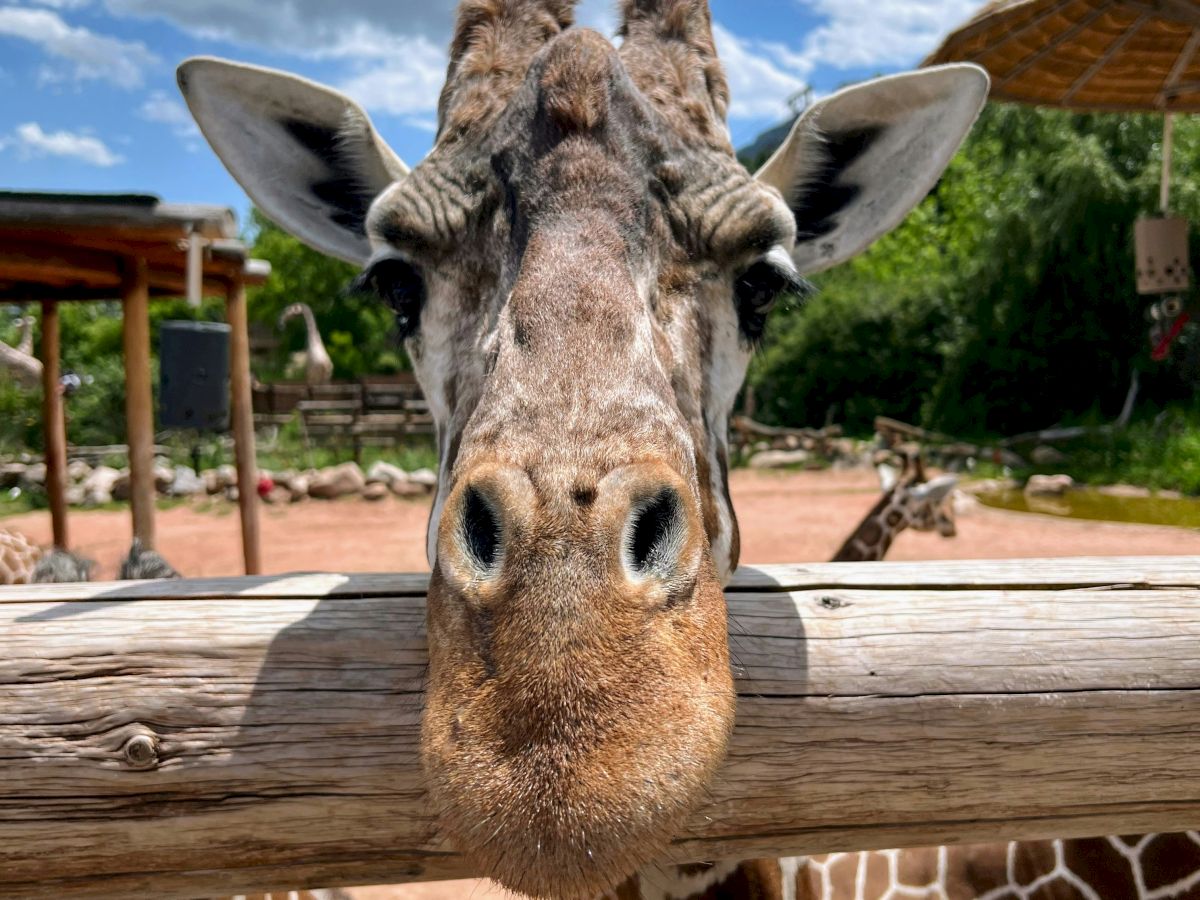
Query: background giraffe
point(18, 558)
point(909, 500)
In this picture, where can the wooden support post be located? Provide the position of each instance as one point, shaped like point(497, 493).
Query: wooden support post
point(242, 410)
point(198, 739)
point(54, 424)
point(139, 397)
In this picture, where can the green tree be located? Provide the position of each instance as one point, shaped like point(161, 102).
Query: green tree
point(358, 331)
point(1005, 302)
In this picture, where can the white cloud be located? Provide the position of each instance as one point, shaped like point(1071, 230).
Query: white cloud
point(30, 141)
point(162, 108)
point(84, 55)
point(761, 79)
point(62, 4)
point(405, 83)
point(880, 33)
point(316, 29)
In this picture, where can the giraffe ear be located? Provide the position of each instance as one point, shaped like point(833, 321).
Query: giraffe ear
point(307, 155)
point(934, 492)
point(858, 161)
point(888, 476)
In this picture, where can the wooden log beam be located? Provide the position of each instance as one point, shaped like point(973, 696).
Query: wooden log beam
point(207, 738)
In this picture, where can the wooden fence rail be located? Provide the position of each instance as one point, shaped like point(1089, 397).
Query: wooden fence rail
point(203, 738)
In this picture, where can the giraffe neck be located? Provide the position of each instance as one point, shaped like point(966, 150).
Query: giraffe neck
point(18, 558)
point(874, 536)
point(1145, 867)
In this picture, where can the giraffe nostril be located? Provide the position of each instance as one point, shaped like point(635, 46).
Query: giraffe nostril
point(480, 529)
point(655, 534)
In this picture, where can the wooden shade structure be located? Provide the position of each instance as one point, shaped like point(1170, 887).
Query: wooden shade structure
point(57, 248)
point(1120, 55)
point(1088, 55)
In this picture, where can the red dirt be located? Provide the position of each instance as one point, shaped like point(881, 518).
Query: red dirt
point(786, 517)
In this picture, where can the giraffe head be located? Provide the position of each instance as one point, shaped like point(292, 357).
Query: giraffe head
point(580, 268)
point(921, 504)
point(909, 501)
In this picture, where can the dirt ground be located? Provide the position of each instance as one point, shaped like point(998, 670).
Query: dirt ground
point(785, 517)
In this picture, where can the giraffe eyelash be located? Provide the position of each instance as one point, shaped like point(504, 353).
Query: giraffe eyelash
point(759, 288)
point(399, 284)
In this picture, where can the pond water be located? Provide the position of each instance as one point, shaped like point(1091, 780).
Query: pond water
point(1091, 504)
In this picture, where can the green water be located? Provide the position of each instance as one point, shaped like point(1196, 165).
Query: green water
point(1091, 504)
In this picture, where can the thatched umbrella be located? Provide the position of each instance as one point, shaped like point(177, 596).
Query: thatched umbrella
point(1088, 55)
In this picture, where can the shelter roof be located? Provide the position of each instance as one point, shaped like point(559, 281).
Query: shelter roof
point(67, 246)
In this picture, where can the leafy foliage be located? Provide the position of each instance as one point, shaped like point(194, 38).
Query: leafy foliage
point(357, 331)
point(1006, 301)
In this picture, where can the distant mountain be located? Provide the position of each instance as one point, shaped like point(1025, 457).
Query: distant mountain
point(758, 151)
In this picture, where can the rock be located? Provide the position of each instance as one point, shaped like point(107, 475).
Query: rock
point(385, 473)
point(408, 489)
point(284, 478)
point(278, 496)
point(989, 486)
point(426, 478)
point(231, 493)
point(164, 477)
point(76, 496)
point(298, 486)
point(964, 504)
point(226, 477)
point(1169, 495)
point(1125, 492)
point(339, 481)
point(376, 492)
point(1047, 456)
point(78, 471)
point(187, 483)
point(121, 490)
point(212, 481)
point(1049, 485)
point(779, 459)
point(35, 474)
point(100, 487)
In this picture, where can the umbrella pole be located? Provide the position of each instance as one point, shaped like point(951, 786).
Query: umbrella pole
point(1167, 152)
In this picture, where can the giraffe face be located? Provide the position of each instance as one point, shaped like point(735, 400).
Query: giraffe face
point(580, 269)
point(582, 340)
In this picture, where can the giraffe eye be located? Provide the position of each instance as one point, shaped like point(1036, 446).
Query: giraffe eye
point(400, 285)
point(758, 288)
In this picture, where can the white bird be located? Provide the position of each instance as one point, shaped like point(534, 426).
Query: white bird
point(318, 367)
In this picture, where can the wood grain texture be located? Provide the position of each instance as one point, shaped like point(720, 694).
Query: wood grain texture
point(207, 738)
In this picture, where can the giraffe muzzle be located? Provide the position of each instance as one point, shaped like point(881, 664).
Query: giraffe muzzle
point(580, 694)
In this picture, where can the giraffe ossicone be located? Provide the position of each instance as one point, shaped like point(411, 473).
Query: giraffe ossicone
point(580, 268)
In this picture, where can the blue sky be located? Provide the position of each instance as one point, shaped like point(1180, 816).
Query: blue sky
point(88, 98)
